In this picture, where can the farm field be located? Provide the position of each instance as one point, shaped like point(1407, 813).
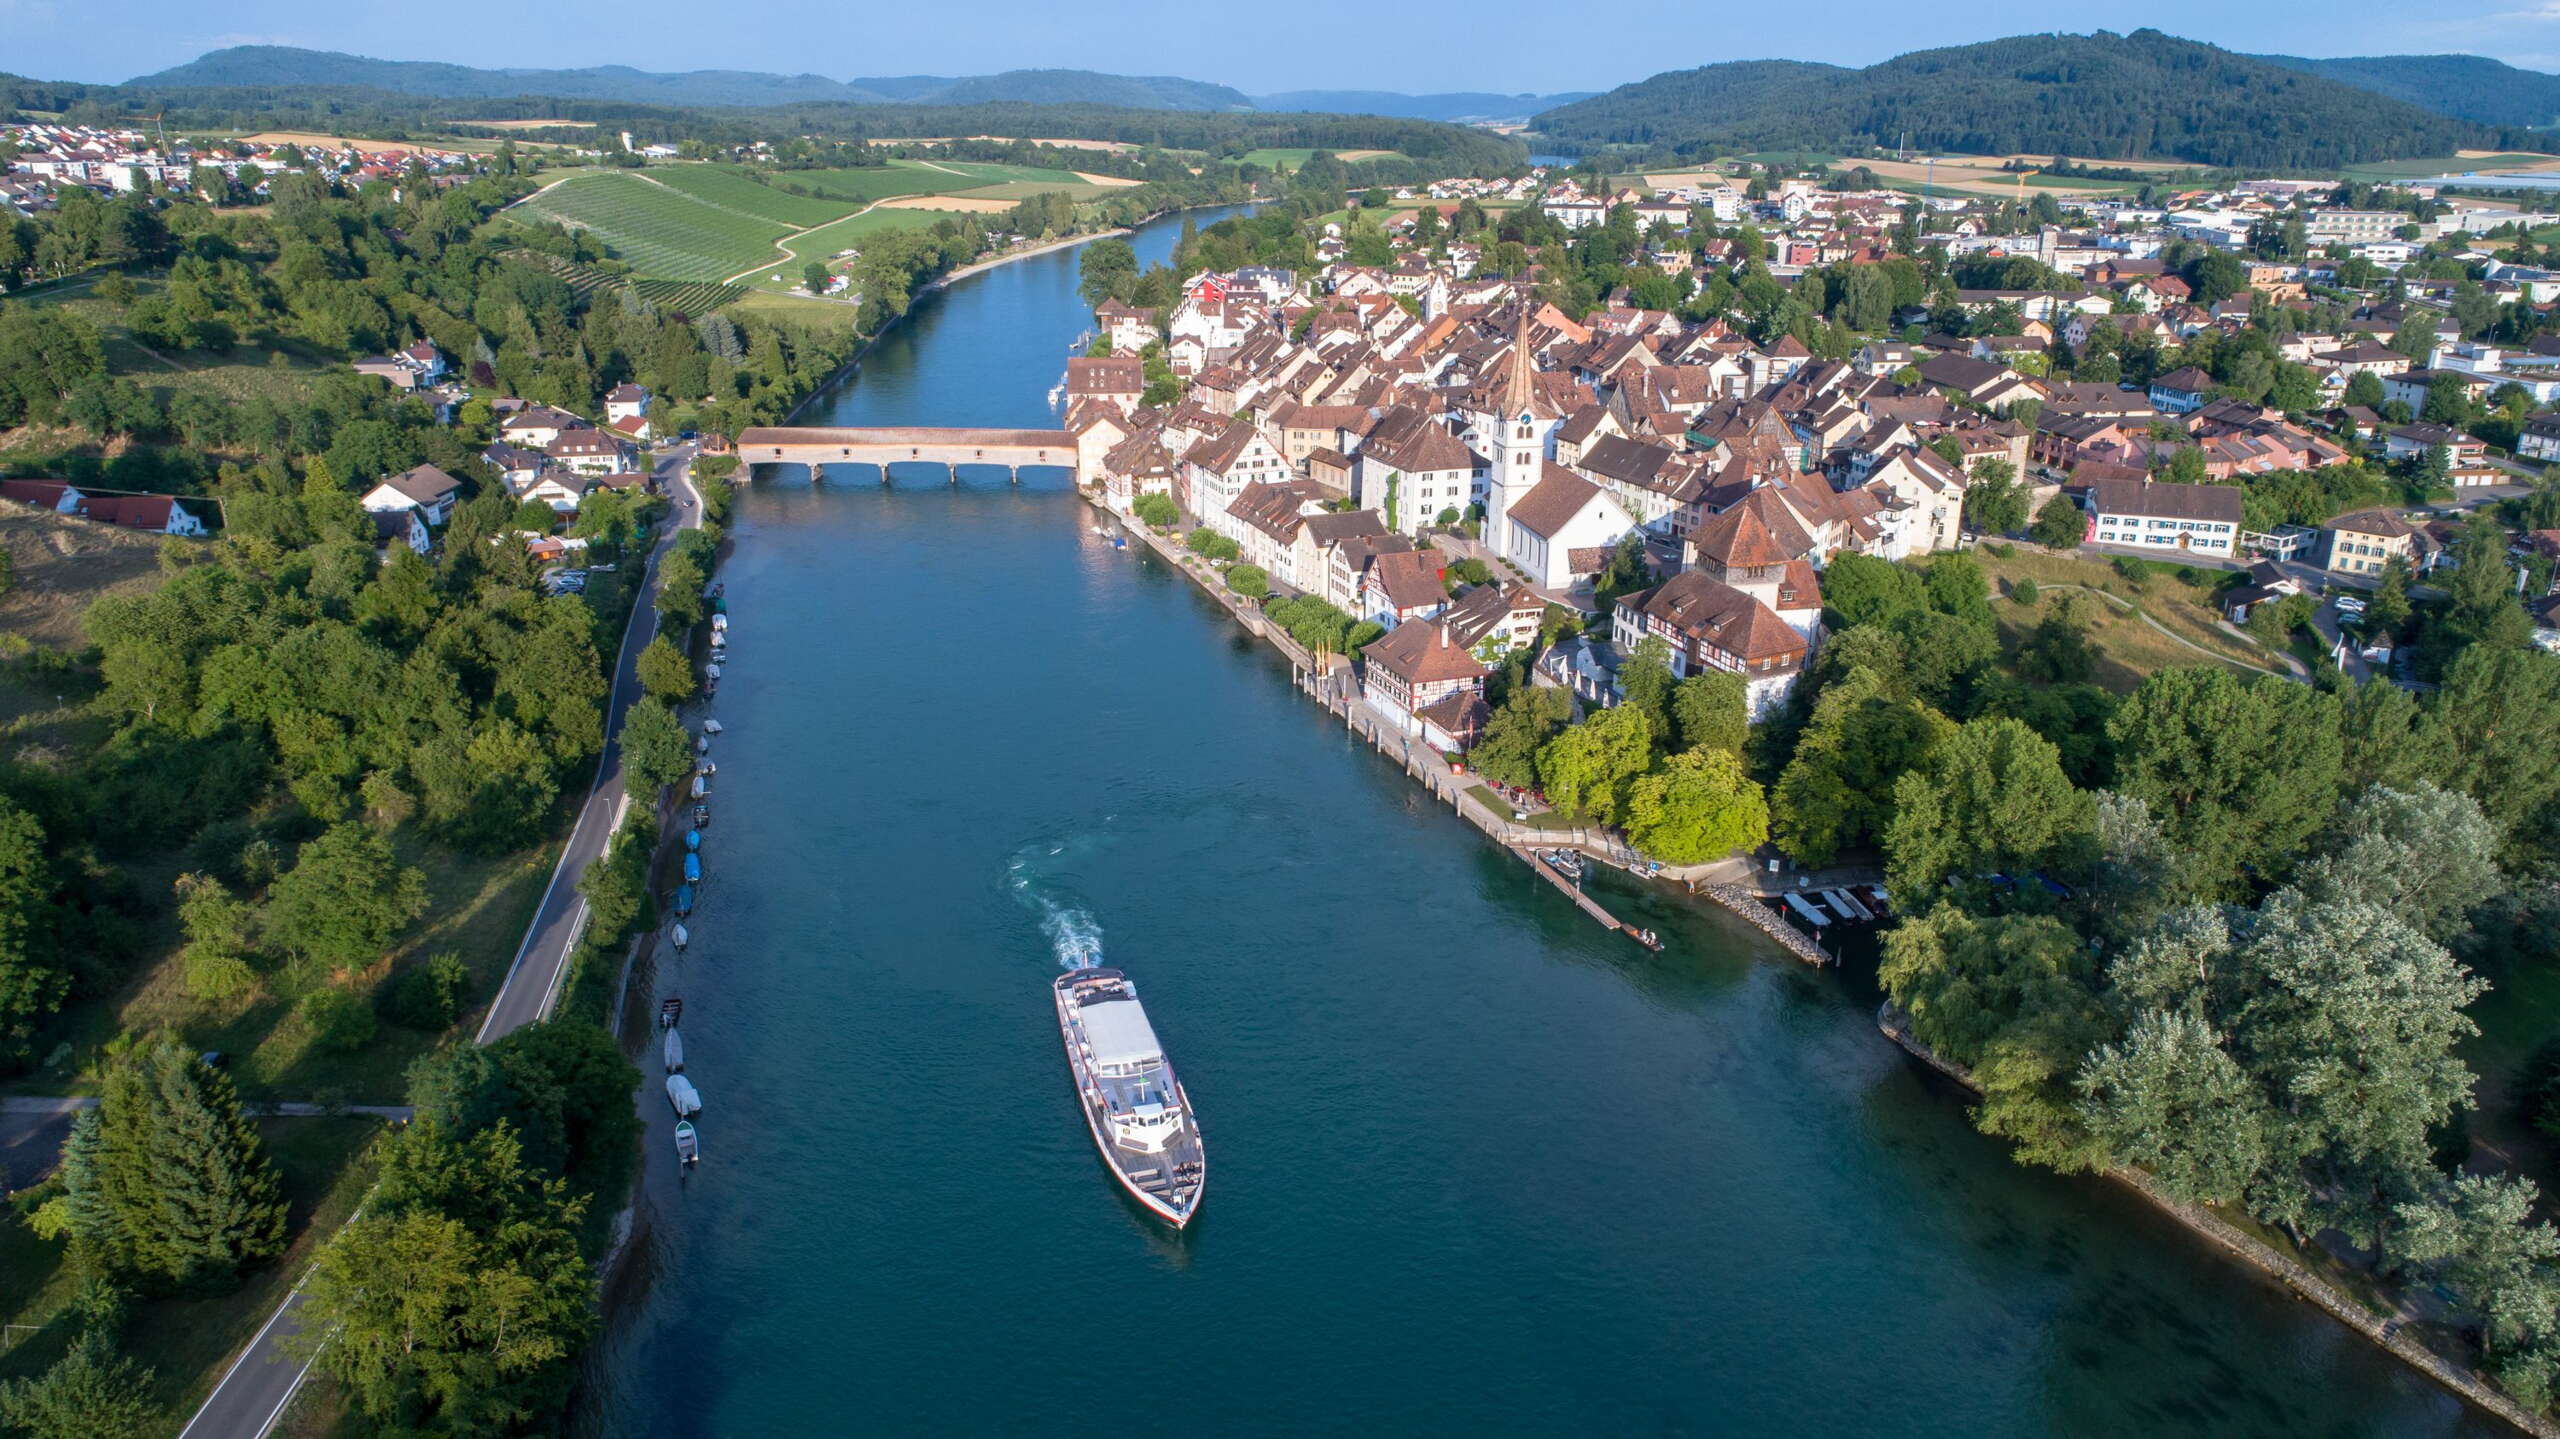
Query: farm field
point(823, 242)
point(530, 124)
point(987, 172)
point(1015, 191)
point(1979, 175)
point(662, 231)
point(313, 137)
point(2425, 166)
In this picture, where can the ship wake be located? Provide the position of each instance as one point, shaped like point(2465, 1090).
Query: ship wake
point(1075, 936)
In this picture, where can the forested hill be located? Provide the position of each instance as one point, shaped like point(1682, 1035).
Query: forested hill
point(2472, 87)
point(1460, 105)
point(2100, 96)
point(280, 65)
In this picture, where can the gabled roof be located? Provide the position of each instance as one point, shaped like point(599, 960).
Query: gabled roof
point(1421, 653)
point(1701, 607)
point(425, 485)
point(1553, 502)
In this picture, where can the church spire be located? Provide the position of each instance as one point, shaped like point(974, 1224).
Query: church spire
point(1516, 394)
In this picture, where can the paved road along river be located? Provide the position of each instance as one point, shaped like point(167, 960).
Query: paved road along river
point(1476, 1167)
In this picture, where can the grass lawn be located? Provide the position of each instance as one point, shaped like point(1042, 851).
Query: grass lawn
point(826, 241)
point(325, 1166)
point(799, 309)
point(2128, 650)
point(1277, 159)
point(478, 909)
point(2425, 166)
point(1537, 819)
point(1019, 190)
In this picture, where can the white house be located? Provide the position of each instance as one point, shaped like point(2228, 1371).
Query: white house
point(426, 489)
point(2194, 519)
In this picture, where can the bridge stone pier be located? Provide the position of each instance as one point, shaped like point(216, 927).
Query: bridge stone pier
point(821, 446)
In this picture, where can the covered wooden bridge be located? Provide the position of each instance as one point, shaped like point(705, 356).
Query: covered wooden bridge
point(821, 446)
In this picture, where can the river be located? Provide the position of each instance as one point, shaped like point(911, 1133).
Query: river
point(1475, 1166)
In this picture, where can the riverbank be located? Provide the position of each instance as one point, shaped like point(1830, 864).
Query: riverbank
point(1326, 680)
point(2385, 1330)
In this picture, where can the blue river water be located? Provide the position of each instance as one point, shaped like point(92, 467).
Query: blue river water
point(1476, 1168)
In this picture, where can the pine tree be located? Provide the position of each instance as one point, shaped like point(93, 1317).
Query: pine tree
point(183, 1194)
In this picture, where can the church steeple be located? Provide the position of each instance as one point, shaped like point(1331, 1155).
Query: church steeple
point(1517, 394)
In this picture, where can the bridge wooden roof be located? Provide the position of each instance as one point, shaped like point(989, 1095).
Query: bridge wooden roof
point(903, 435)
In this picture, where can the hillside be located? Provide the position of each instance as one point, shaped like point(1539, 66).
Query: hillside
point(2470, 87)
point(1459, 105)
point(2101, 96)
point(279, 65)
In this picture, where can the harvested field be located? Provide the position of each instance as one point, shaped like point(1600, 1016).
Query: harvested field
point(308, 138)
point(62, 564)
point(530, 124)
point(960, 204)
point(1108, 182)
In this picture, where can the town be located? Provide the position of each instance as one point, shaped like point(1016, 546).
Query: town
point(521, 589)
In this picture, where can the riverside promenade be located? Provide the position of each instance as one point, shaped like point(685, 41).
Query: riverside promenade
point(1733, 883)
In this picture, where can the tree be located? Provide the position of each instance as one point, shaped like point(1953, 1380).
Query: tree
point(1107, 269)
point(2239, 774)
point(2364, 389)
point(1250, 581)
point(2479, 1233)
point(1713, 710)
point(656, 750)
point(2498, 719)
point(1507, 752)
point(1158, 511)
point(456, 1302)
point(1994, 503)
point(221, 937)
point(1587, 767)
point(345, 899)
point(665, 671)
point(815, 277)
point(1645, 681)
point(32, 982)
point(2168, 1100)
point(2425, 854)
point(183, 1195)
point(89, 1393)
point(1837, 791)
point(2059, 525)
point(1860, 589)
point(1992, 798)
point(1696, 806)
point(2387, 613)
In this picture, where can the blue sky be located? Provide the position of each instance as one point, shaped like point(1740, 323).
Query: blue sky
point(1412, 45)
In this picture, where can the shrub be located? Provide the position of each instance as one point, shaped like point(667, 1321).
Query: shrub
point(431, 995)
point(2025, 592)
point(2136, 570)
point(340, 1022)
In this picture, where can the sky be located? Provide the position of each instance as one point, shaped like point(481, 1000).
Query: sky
point(1411, 45)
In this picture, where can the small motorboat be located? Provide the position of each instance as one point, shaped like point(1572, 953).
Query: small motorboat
point(1649, 940)
point(702, 744)
point(701, 787)
point(674, 1051)
point(701, 815)
point(692, 869)
point(1565, 862)
point(693, 839)
point(711, 671)
point(681, 937)
point(684, 899)
point(688, 1145)
point(711, 726)
point(707, 768)
point(670, 1009)
point(682, 1094)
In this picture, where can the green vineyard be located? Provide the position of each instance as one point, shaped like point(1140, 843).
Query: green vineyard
point(660, 231)
point(685, 297)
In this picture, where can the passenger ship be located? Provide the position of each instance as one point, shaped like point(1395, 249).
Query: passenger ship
point(1140, 1117)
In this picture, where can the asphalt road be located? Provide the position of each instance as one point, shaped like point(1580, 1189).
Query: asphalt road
point(254, 1391)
